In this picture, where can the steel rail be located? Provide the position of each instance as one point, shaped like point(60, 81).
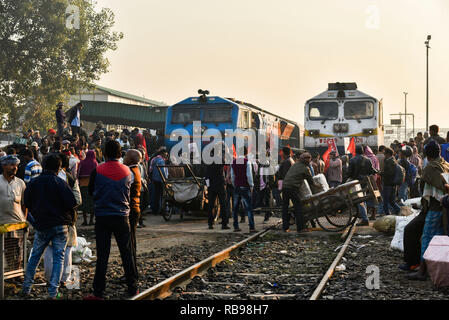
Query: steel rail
point(317, 293)
point(166, 287)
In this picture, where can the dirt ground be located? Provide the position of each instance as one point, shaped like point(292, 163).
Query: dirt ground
point(159, 233)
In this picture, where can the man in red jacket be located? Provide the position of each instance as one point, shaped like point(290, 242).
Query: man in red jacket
point(110, 185)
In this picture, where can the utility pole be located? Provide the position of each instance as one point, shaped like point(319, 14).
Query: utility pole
point(427, 81)
point(405, 95)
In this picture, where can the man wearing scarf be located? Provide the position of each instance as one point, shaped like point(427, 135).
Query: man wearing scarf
point(434, 190)
point(12, 208)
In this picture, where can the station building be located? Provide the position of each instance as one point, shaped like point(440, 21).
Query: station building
point(118, 110)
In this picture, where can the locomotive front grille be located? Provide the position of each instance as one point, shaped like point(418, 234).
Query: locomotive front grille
point(341, 127)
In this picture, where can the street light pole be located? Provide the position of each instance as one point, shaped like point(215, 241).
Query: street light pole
point(427, 81)
point(405, 95)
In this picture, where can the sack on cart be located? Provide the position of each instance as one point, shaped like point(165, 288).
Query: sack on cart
point(185, 191)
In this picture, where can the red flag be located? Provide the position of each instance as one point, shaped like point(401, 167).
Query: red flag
point(331, 146)
point(326, 157)
point(234, 154)
point(351, 147)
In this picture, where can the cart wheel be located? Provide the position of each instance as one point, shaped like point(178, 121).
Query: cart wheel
point(340, 214)
point(167, 211)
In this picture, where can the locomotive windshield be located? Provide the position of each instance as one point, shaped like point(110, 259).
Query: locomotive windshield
point(323, 110)
point(215, 113)
point(223, 113)
point(359, 109)
point(185, 115)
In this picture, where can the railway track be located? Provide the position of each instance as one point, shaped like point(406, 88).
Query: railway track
point(268, 265)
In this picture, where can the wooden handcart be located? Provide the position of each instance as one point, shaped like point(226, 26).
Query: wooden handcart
point(183, 192)
point(336, 208)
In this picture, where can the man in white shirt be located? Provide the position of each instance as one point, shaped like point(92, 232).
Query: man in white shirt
point(12, 209)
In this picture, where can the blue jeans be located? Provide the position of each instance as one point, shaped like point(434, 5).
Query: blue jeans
point(388, 197)
point(58, 237)
point(48, 263)
point(433, 226)
point(403, 191)
point(242, 193)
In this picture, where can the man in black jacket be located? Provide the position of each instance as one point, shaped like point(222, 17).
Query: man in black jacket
point(388, 187)
point(60, 119)
point(216, 175)
point(359, 168)
point(284, 166)
point(51, 202)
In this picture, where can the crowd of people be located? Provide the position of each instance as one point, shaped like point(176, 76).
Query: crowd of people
point(107, 175)
point(411, 169)
point(111, 178)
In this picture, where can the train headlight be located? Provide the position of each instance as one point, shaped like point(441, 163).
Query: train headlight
point(369, 131)
point(314, 132)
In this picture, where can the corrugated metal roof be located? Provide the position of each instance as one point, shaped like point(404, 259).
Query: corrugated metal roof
point(131, 96)
point(124, 114)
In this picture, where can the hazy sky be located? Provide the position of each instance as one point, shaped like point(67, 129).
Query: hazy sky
point(278, 54)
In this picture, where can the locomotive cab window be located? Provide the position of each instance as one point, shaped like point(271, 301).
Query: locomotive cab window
point(245, 119)
point(218, 115)
point(183, 115)
point(359, 110)
point(323, 110)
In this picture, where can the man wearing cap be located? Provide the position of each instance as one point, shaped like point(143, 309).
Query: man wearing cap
point(35, 149)
point(51, 136)
point(60, 118)
point(12, 207)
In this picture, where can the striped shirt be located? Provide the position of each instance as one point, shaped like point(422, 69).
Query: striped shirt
point(32, 170)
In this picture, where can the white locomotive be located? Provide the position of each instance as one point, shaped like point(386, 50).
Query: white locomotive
point(342, 112)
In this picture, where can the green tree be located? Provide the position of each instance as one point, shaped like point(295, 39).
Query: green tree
point(43, 58)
